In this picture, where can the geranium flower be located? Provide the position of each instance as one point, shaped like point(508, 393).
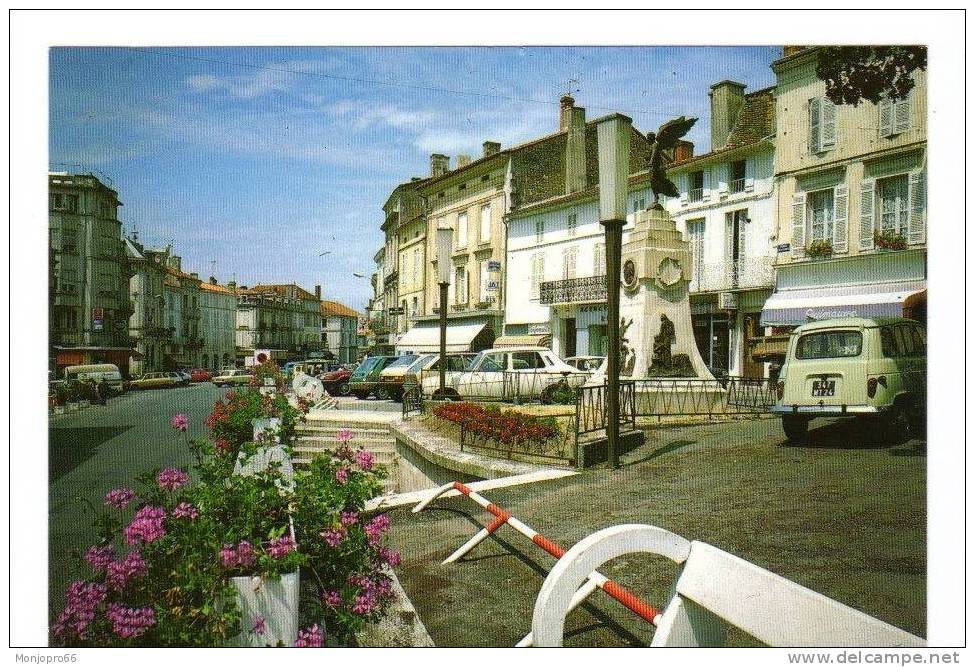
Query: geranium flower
point(172, 478)
point(333, 536)
point(313, 637)
point(349, 518)
point(259, 627)
point(344, 435)
point(121, 572)
point(147, 526)
point(365, 460)
point(342, 475)
point(180, 422)
point(130, 622)
point(185, 511)
point(281, 547)
point(332, 599)
point(119, 498)
point(100, 556)
point(82, 599)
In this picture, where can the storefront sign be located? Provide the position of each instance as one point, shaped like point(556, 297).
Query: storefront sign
point(783, 247)
point(539, 329)
point(829, 314)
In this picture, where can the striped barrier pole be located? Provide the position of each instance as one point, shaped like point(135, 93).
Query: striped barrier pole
point(595, 579)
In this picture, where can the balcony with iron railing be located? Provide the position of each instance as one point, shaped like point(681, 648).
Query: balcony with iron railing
point(695, 194)
point(737, 185)
point(590, 289)
point(747, 273)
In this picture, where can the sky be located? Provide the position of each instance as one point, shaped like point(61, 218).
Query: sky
point(254, 161)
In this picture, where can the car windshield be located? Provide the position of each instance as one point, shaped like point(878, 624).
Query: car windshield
point(829, 345)
point(405, 360)
point(419, 363)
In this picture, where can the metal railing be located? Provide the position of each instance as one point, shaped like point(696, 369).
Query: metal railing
point(737, 274)
point(736, 185)
point(573, 290)
point(412, 401)
point(695, 194)
point(591, 408)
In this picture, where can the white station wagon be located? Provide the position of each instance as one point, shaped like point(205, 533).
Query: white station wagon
point(522, 373)
point(855, 367)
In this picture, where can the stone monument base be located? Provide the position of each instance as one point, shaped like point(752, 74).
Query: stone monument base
point(679, 396)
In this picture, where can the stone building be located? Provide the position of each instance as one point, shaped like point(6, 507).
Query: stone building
point(218, 325)
point(147, 327)
point(727, 212)
point(851, 201)
point(90, 306)
point(285, 319)
point(340, 327)
point(181, 315)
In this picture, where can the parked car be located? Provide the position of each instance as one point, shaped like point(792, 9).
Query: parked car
point(183, 378)
point(96, 373)
point(871, 368)
point(233, 376)
point(588, 364)
point(153, 381)
point(336, 382)
point(390, 383)
point(200, 375)
point(522, 373)
point(365, 378)
point(428, 366)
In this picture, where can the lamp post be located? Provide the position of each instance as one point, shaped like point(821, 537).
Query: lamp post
point(613, 141)
point(445, 242)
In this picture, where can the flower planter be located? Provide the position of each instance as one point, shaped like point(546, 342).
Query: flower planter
point(276, 601)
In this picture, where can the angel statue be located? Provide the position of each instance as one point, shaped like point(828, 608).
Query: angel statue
point(662, 145)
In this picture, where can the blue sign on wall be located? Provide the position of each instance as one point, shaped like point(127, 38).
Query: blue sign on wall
point(783, 247)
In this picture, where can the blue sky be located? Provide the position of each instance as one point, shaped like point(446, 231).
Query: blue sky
point(260, 159)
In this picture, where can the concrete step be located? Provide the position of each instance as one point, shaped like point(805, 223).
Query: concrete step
point(325, 429)
point(332, 443)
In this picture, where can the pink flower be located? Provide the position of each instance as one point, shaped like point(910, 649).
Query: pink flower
point(334, 537)
point(83, 598)
point(332, 599)
point(375, 529)
point(313, 637)
point(121, 572)
point(259, 625)
point(365, 460)
point(390, 556)
point(221, 445)
point(171, 478)
point(349, 518)
point(147, 526)
point(119, 498)
point(245, 554)
point(180, 422)
point(281, 547)
point(130, 622)
point(344, 435)
point(100, 556)
point(342, 475)
point(185, 511)
point(228, 556)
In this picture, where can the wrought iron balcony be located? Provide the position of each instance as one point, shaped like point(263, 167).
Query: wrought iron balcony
point(736, 185)
point(751, 272)
point(591, 289)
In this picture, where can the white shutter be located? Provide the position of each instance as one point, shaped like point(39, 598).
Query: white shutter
point(599, 260)
point(841, 201)
point(886, 117)
point(483, 282)
point(814, 126)
point(828, 128)
point(917, 195)
point(749, 175)
point(799, 224)
point(485, 223)
point(867, 213)
point(682, 186)
point(706, 195)
point(902, 115)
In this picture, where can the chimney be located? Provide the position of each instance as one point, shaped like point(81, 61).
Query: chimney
point(727, 98)
point(791, 50)
point(318, 292)
point(491, 148)
point(566, 103)
point(176, 262)
point(684, 150)
point(575, 149)
point(439, 165)
point(195, 275)
point(463, 160)
point(232, 284)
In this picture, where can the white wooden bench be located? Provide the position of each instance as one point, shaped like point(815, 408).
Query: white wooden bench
point(713, 590)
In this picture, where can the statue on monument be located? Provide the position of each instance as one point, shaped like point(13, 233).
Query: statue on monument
point(663, 363)
point(627, 356)
point(665, 139)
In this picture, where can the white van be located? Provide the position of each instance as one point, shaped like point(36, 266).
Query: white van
point(96, 373)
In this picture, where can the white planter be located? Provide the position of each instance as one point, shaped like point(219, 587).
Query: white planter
point(276, 601)
point(267, 424)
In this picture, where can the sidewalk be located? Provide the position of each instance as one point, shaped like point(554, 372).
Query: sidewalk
point(841, 517)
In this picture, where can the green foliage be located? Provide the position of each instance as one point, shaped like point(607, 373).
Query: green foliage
point(889, 240)
point(856, 73)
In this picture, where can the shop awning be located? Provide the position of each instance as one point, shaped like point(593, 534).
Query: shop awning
point(427, 338)
point(528, 340)
point(795, 307)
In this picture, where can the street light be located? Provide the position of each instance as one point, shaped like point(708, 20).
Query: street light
point(613, 142)
point(445, 242)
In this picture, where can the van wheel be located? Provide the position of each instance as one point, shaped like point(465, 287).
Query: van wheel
point(795, 428)
point(896, 425)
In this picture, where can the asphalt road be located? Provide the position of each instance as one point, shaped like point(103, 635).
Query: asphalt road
point(103, 447)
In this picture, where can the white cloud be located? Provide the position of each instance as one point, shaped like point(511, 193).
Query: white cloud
point(271, 78)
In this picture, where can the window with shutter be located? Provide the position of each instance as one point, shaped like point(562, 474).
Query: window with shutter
point(893, 206)
point(462, 230)
point(814, 125)
point(682, 187)
point(569, 262)
point(828, 124)
point(820, 213)
point(886, 110)
point(798, 224)
point(537, 273)
point(918, 197)
point(840, 224)
point(485, 223)
point(866, 214)
point(706, 185)
point(599, 259)
point(902, 115)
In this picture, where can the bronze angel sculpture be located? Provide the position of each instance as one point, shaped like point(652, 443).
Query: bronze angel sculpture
point(662, 146)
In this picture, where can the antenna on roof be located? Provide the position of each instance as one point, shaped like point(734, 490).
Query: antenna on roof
point(135, 233)
point(569, 88)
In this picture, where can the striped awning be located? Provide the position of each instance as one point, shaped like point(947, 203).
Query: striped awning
point(527, 340)
point(798, 306)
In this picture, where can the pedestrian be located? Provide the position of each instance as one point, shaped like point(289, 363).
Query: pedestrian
point(102, 391)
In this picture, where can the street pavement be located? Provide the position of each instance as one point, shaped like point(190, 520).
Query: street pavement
point(103, 447)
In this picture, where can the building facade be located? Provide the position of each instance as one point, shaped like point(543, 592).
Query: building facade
point(727, 212)
point(147, 327)
point(340, 331)
point(285, 319)
point(218, 325)
point(851, 201)
point(181, 315)
point(90, 306)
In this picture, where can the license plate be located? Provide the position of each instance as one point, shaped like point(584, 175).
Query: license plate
point(824, 387)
